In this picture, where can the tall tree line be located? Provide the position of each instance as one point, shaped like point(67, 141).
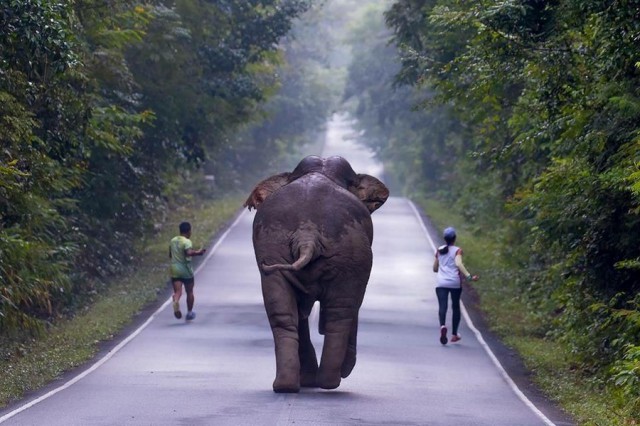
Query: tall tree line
point(105, 105)
point(526, 115)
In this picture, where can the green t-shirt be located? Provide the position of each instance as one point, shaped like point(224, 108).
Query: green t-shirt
point(180, 262)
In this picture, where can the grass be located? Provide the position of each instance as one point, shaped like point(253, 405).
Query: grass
point(72, 342)
point(549, 362)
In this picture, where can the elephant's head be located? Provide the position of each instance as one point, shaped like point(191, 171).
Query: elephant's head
point(372, 192)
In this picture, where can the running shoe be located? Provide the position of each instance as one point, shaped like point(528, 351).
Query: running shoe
point(176, 310)
point(443, 335)
point(455, 338)
point(190, 316)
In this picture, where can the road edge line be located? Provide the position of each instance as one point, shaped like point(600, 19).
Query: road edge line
point(481, 340)
point(123, 343)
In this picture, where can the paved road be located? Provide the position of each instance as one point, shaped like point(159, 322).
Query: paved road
point(218, 369)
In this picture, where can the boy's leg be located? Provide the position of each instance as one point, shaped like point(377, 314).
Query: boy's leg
point(188, 286)
point(177, 293)
point(177, 290)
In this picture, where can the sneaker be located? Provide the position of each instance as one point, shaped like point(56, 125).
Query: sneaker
point(443, 335)
point(190, 316)
point(455, 338)
point(176, 310)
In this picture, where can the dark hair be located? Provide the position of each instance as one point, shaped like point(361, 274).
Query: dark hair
point(185, 227)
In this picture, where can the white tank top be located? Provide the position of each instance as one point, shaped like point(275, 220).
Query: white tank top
point(448, 273)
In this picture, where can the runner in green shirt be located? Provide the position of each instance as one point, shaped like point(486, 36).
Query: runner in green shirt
point(180, 253)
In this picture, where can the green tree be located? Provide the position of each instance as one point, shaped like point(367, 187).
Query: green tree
point(101, 103)
point(549, 94)
point(42, 160)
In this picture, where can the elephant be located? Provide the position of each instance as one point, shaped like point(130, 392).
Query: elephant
point(312, 236)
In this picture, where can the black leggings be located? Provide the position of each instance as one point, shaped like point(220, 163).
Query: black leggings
point(443, 299)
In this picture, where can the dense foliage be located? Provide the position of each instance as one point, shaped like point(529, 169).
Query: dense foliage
point(106, 109)
point(528, 119)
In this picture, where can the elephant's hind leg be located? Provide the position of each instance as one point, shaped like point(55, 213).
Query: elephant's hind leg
point(287, 365)
point(280, 304)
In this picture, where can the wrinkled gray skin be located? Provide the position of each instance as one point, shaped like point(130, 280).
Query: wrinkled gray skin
point(312, 236)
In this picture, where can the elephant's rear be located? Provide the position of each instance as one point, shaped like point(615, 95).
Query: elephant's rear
point(315, 214)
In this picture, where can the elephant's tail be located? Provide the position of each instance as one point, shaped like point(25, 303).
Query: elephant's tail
point(306, 255)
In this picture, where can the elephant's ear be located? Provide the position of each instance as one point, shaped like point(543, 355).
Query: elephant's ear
point(370, 191)
point(265, 188)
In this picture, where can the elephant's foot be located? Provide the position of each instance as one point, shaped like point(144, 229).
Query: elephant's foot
point(287, 362)
point(328, 380)
point(286, 383)
point(349, 362)
point(286, 389)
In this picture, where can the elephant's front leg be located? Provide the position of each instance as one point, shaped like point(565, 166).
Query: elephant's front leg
point(282, 310)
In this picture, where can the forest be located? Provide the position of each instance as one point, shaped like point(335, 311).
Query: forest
point(109, 108)
point(526, 120)
point(522, 115)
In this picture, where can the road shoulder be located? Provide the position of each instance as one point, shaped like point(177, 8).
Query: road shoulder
point(508, 357)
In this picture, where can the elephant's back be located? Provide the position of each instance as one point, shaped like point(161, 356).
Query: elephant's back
point(316, 199)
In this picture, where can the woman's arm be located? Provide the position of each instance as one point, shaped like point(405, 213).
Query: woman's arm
point(460, 265)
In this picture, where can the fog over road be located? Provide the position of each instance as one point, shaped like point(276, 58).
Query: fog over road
point(218, 369)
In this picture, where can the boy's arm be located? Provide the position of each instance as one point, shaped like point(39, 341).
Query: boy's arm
point(192, 252)
point(436, 264)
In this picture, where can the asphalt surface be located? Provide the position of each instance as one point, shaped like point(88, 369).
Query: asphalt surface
point(218, 369)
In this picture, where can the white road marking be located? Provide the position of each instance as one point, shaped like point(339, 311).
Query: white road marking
point(478, 335)
point(122, 344)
